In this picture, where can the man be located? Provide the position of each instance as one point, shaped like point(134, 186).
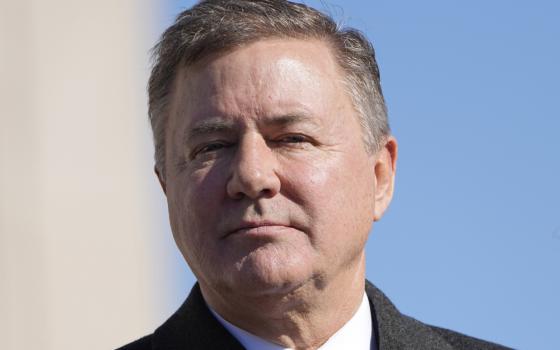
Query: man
point(274, 151)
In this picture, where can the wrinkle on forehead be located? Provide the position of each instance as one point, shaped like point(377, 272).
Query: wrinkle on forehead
point(262, 80)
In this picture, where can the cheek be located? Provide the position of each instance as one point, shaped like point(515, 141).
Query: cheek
point(194, 200)
point(313, 186)
point(203, 186)
point(207, 187)
point(337, 197)
point(194, 212)
point(324, 183)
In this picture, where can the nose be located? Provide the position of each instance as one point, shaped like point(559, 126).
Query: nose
point(253, 173)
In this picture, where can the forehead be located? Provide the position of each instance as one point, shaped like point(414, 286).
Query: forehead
point(274, 73)
point(282, 54)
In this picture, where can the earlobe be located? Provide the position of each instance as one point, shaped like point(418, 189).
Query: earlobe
point(385, 168)
point(161, 179)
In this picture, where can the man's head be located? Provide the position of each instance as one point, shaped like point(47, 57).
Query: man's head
point(214, 27)
point(271, 178)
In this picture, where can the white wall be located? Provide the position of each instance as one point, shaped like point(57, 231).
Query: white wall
point(76, 271)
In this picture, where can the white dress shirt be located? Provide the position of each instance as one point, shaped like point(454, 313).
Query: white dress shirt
point(354, 334)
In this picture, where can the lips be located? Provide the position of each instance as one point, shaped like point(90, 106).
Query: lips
point(261, 228)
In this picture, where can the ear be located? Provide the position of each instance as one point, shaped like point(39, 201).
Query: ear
point(385, 167)
point(161, 179)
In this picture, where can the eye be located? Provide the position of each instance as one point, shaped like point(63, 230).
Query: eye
point(293, 138)
point(208, 148)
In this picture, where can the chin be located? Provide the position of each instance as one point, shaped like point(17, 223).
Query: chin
point(266, 274)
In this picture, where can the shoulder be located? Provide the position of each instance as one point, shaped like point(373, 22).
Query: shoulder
point(144, 343)
point(394, 330)
point(460, 341)
point(191, 327)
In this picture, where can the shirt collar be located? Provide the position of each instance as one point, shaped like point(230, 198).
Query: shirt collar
point(354, 334)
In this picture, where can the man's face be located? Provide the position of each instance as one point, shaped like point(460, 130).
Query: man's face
point(268, 182)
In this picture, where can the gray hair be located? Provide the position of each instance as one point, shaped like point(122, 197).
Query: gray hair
point(215, 26)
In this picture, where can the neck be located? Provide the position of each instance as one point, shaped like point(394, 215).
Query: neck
point(303, 318)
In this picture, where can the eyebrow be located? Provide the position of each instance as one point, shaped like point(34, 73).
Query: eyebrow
point(210, 126)
point(220, 125)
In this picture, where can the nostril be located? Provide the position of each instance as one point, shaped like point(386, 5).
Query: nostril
point(267, 193)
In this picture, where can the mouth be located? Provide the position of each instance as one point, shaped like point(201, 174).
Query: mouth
point(260, 229)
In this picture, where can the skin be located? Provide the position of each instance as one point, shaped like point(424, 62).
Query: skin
point(270, 189)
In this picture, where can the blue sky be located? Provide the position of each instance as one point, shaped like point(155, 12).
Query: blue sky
point(472, 239)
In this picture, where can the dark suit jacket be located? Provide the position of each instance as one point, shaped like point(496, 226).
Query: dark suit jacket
point(193, 327)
